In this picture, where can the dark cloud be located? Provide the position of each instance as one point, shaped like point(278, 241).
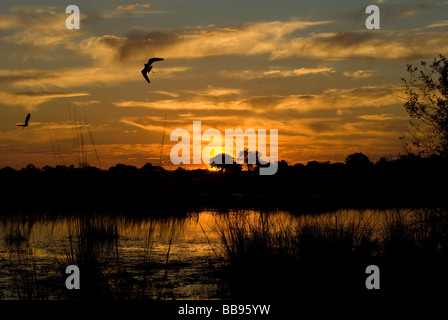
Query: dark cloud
point(14, 76)
point(322, 127)
point(414, 10)
point(43, 93)
point(139, 42)
point(263, 102)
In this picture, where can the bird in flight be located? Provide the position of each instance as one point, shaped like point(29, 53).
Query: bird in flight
point(26, 121)
point(148, 67)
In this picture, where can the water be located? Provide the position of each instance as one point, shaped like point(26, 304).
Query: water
point(134, 257)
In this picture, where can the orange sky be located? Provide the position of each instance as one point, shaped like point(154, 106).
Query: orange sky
point(314, 72)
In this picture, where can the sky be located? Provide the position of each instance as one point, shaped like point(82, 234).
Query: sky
point(310, 69)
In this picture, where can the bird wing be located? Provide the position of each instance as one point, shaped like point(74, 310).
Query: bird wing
point(150, 61)
point(27, 118)
point(145, 75)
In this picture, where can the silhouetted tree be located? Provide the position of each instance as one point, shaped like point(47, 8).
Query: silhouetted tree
point(283, 165)
point(383, 163)
point(317, 164)
point(7, 171)
point(298, 166)
point(427, 104)
point(147, 169)
point(31, 169)
point(219, 162)
point(61, 169)
point(251, 155)
point(47, 169)
point(358, 160)
point(123, 169)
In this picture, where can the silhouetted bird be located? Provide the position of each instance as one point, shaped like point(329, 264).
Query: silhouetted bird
point(26, 121)
point(148, 67)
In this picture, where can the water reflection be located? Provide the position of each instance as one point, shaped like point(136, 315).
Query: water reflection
point(119, 257)
point(123, 257)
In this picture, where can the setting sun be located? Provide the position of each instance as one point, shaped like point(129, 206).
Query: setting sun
point(327, 91)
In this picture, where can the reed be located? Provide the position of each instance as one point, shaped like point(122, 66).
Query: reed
point(94, 247)
point(326, 255)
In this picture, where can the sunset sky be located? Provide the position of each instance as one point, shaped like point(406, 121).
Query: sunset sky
point(310, 69)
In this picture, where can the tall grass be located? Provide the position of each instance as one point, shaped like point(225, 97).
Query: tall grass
point(247, 239)
point(19, 259)
point(94, 246)
point(93, 243)
point(257, 250)
point(322, 255)
point(265, 255)
point(16, 230)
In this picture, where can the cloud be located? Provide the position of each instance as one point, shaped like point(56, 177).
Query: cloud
point(33, 98)
point(166, 93)
point(313, 136)
point(133, 6)
point(344, 45)
point(128, 7)
point(176, 104)
point(42, 132)
point(209, 99)
point(311, 126)
point(275, 73)
point(42, 30)
point(410, 12)
point(37, 27)
point(144, 123)
point(277, 39)
point(24, 16)
point(256, 38)
point(84, 103)
point(379, 117)
point(331, 99)
point(122, 11)
point(442, 23)
point(360, 74)
point(75, 77)
point(62, 78)
point(219, 92)
point(185, 121)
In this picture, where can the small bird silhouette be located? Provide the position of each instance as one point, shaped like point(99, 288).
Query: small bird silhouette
point(23, 125)
point(148, 67)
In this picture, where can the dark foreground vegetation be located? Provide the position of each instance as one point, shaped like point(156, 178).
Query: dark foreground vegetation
point(316, 258)
point(323, 257)
point(409, 181)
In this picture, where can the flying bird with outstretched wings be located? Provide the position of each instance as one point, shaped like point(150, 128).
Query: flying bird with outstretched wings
point(23, 125)
point(148, 67)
